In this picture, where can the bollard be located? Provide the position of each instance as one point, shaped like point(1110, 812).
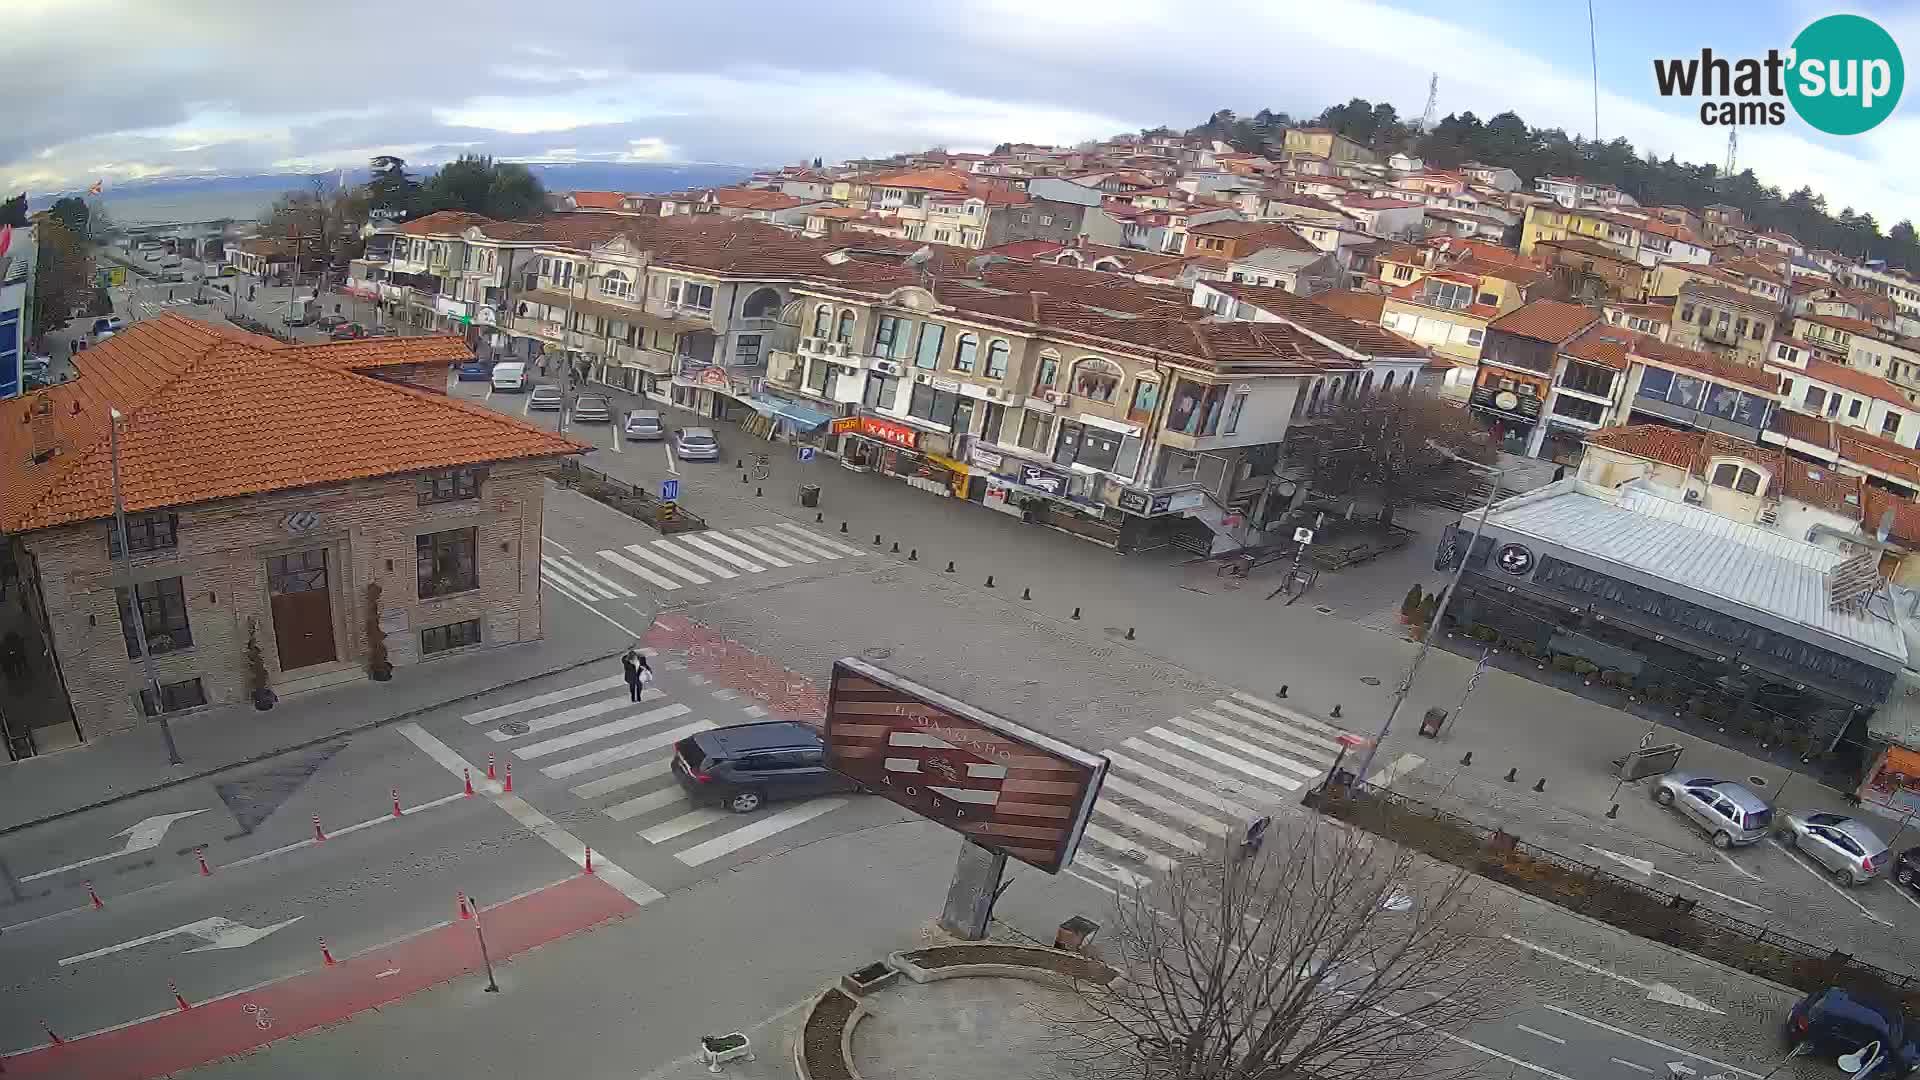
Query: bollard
point(744, 480)
point(1466, 759)
point(989, 577)
point(760, 492)
point(1129, 633)
point(896, 547)
point(319, 837)
point(1076, 613)
point(94, 896)
point(1512, 774)
point(467, 775)
point(1613, 811)
point(1336, 711)
point(509, 783)
point(326, 954)
point(178, 1001)
point(876, 539)
point(466, 913)
point(205, 870)
point(589, 860)
point(913, 555)
point(490, 775)
point(739, 463)
point(396, 802)
point(1283, 690)
point(1026, 594)
point(819, 517)
point(1540, 784)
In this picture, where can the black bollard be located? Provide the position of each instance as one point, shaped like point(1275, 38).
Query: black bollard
point(1512, 774)
point(1336, 712)
point(896, 547)
point(876, 539)
point(1540, 784)
point(1613, 811)
point(989, 579)
point(1076, 613)
point(760, 492)
point(819, 517)
point(744, 480)
point(1466, 759)
point(1283, 690)
point(739, 463)
point(1129, 633)
point(949, 566)
point(1026, 594)
point(843, 526)
point(913, 555)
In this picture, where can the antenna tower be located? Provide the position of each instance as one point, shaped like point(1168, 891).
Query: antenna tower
point(1433, 101)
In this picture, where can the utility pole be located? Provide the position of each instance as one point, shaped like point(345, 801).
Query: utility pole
point(137, 615)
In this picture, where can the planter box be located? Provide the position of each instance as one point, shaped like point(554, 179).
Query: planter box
point(868, 979)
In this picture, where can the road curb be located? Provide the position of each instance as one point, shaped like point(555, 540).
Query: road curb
point(303, 744)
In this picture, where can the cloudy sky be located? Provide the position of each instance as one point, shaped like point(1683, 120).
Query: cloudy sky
point(130, 88)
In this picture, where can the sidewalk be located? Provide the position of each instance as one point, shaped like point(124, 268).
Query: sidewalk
point(124, 764)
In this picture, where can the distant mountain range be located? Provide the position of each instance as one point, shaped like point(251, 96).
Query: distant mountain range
point(181, 197)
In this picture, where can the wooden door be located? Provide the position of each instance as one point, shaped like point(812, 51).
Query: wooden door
point(302, 608)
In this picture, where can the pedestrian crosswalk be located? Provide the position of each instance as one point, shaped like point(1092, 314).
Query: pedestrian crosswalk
point(1195, 780)
point(701, 558)
point(617, 754)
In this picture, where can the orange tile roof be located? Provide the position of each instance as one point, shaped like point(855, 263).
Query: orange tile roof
point(1819, 484)
point(1906, 514)
point(1545, 320)
point(754, 199)
point(1851, 378)
point(1361, 337)
point(1882, 455)
point(924, 180)
point(212, 414)
point(1354, 304)
point(371, 353)
point(598, 200)
point(1714, 367)
point(1655, 442)
point(1813, 430)
point(1842, 322)
point(442, 222)
point(1602, 344)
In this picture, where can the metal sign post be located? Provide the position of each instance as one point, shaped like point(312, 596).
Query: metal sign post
point(976, 885)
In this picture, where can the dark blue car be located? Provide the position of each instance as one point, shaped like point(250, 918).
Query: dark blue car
point(476, 371)
point(1837, 1022)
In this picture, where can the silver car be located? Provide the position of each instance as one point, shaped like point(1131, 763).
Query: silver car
point(1726, 811)
point(696, 444)
point(545, 397)
point(644, 425)
point(1846, 846)
point(592, 408)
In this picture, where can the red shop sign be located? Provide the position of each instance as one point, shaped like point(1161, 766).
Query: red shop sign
point(887, 431)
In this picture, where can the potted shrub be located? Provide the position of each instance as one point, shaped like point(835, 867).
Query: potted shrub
point(379, 668)
point(1410, 607)
point(257, 678)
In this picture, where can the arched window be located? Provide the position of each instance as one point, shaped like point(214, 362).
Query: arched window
point(997, 360)
point(1095, 379)
point(844, 335)
point(763, 304)
point(615, 283)
point(822, 321)
point(1299, 403)
point(1366, 386)
point(1388, 385)
point(1047, 372)
point(1313, 399)
point(964, 352)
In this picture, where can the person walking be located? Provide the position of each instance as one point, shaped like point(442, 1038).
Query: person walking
point(637, 672)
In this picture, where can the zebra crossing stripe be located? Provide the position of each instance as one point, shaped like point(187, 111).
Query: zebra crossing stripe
point(1291, 730)
point(639, 774)
point(720, 553)
point(578, 713)
point(1118, 844)
point(1105, 869)
point(1268, 776)
point(601, 731)
point(652, 800)
point(564, 589)
point(557, 577)
point(1174, 783)
point(552, 697)
point(1141, 823)
point(751, 551)
point(1145, 797)
point(800, 542)
point(1285, 742)
point(685, 823)
point(1304, 770)
point(604, 582)
point(786, 548)
point(576, 766)
point(1238, 785)
point(637, 570)
point(1293, 716)
point(690, 559)
point(822, 541)
point(666, 564)
point(735, 839)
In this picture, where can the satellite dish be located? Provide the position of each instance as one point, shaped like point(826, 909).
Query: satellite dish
point(1886, 525)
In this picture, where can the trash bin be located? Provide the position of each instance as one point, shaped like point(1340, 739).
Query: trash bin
point(810, 495)
point(1430, 723)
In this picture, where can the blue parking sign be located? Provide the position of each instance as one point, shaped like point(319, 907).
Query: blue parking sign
point(806, 454)
point(669, 489)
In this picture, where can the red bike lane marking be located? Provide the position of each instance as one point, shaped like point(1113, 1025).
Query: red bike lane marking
point(737, 667)
point(328, 995)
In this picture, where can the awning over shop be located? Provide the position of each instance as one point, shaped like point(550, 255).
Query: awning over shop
point(802, 417)
point(614, 312)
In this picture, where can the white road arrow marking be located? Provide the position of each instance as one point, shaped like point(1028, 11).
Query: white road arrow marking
point(1643, 867)
point(1646, 868)
point(218, 932)
point(1655, 991)
point(140, 837)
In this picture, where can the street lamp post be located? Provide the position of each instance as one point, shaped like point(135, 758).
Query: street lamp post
point(138, 617)
point(1446, 597)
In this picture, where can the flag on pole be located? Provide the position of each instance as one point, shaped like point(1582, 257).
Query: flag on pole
point(97, 185)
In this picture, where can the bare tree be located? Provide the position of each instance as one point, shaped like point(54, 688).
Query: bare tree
point(1379, 443)
point(1330, 956)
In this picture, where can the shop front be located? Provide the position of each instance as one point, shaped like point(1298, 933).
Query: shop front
point(1509, 403)
point(709, 390)
point(1058, 498)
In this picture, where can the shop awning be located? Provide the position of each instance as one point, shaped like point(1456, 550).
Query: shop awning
point(802, 417)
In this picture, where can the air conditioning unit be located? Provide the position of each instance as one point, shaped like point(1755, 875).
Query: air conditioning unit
point(1055, 397)
point(887, 367)
point(993, 392)
point(841, 348)
point(1770, 515)
point(808, 344)
point(1691, 496)
point(922, 377)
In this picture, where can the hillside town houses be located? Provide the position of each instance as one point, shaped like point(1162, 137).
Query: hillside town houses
point(1126, 340)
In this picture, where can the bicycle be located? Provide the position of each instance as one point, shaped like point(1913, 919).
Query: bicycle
point(265, 1019)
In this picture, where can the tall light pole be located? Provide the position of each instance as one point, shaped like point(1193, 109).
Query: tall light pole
point(1446, 596)
point(139, 617)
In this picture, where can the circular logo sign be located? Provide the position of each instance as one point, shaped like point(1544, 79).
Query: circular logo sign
point(1846, 74)
point(1506, 399)
point(1515, 559)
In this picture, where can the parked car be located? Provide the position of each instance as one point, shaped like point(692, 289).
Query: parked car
point(1728, 812)
point(643, 425)
point(1846, 846)
point(475, 371)
point(299, 318)
point(107, 324)
point(1837, 1023)
point(545, 397)
point(328, 322)
point(345, 332)
point(1906, 868)
point(696, 444)
point(383, 331)
point(509, 377)
point(746, 766)
point(592, 409)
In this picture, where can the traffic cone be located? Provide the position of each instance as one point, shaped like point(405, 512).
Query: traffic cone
point(589, 860)
point(319, 837)
point(94, 896)
point(396, 802)
point(326, 954)
point(467, 774)
point(466, 914)
point(490, 767)
point(205, 870)
point(509, 784)
point(177, 999)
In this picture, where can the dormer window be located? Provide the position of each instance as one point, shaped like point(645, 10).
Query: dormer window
point(1730, 474)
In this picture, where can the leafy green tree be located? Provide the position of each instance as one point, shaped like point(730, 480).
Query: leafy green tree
point(73, 213)
point(14, 211)
point(389, 189)
point(478, 185)
point(63, 276)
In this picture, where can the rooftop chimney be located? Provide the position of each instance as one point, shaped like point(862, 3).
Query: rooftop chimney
point(45, 437)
